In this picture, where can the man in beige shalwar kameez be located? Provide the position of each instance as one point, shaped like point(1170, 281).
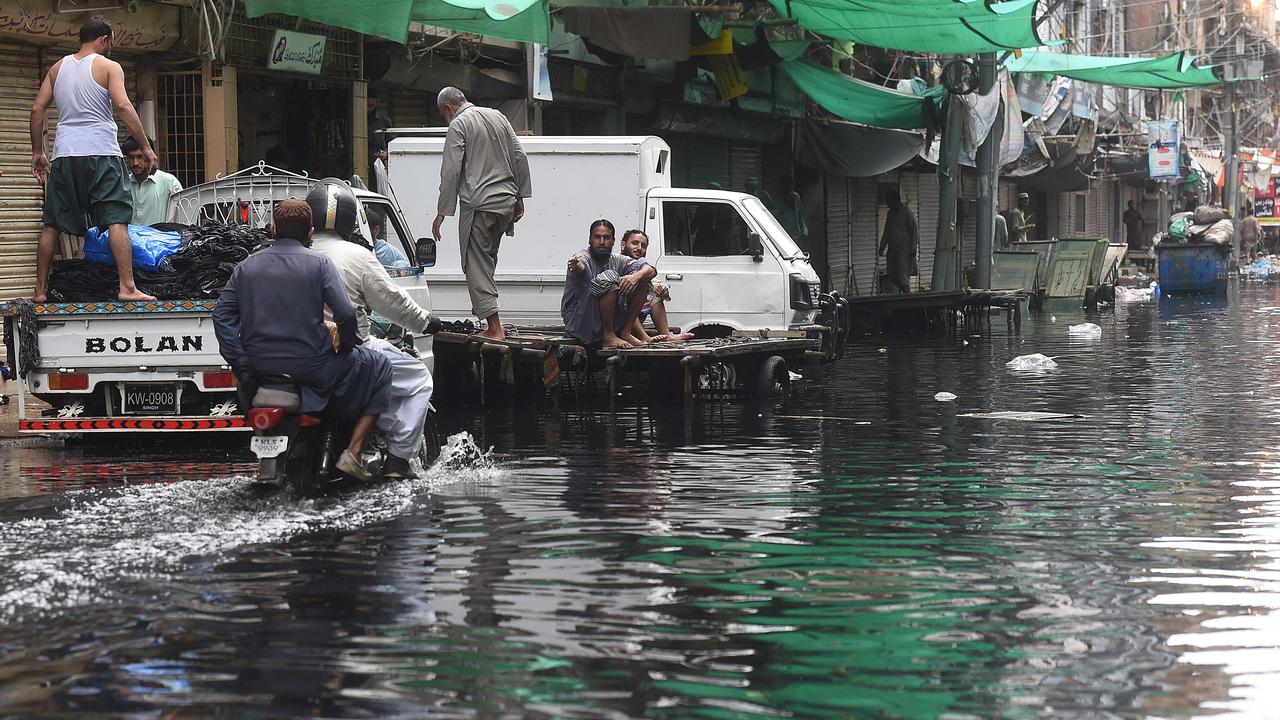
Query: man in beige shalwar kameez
point(485, 168)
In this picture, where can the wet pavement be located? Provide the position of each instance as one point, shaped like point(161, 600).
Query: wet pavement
point(866, 551)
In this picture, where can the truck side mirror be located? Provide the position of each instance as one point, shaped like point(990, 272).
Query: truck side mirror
point(424, 251)
point(755, 246)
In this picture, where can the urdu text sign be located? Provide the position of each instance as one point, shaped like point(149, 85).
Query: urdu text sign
point(299, 52)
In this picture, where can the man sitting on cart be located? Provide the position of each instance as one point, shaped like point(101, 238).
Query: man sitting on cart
point(635, 244)
point(604, 292)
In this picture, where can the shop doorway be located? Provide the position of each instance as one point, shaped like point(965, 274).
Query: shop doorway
point(295, 124)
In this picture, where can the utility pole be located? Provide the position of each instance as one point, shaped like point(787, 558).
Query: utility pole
point(946, 249)
point(988, 162)
point(1231, 146)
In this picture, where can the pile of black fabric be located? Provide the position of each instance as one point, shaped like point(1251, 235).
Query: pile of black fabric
point(199, 270)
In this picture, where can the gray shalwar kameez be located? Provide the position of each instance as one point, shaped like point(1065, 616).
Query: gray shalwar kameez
point(485, 168)
point(580, 304)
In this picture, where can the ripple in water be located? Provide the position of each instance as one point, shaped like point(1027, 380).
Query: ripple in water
point(117, 537)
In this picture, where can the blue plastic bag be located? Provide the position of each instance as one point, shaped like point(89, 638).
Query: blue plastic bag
point(151, 247)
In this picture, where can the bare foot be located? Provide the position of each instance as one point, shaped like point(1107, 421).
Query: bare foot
point(616, 343)
point(680, 337)
point(39, 298)
point(135, 296)
point(631, 339)
point(659, 338)
point(494, 333)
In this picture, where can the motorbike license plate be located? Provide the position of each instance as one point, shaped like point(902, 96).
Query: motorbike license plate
point(269, 446)
point(150, 400)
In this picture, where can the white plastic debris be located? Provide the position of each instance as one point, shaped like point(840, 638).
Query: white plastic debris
point(944, 397)
point(1085, 330)
point(1034, 361)
point(1124, 294)
point(795, 376)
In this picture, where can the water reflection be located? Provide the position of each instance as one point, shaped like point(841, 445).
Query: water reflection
point(869, 552)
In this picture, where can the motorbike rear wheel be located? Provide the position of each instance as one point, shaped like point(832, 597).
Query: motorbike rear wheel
point(431, 442)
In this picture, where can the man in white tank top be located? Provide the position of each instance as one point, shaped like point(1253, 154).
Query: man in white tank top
point(86, 185)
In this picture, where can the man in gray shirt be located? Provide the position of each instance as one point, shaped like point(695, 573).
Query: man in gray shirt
point(604, 292)
point(485, 168)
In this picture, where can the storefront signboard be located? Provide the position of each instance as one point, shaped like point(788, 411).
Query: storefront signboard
point(296, 52)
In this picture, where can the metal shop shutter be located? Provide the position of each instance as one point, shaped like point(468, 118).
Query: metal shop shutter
point(969, 231)
point(745, 160)
point(838, 232)
point(707, 161)
point(927, 221)
point(867, 221)
point(408, 109)
point(21, 197)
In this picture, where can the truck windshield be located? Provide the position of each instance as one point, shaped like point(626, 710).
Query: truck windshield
point(772, 229)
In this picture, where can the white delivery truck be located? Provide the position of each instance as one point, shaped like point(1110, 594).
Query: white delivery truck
point(145, 366)
point(729, 264)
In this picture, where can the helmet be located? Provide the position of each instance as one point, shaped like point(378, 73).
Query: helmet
point(334, 207)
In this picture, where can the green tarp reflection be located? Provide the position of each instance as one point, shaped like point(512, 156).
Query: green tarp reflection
point(933, 26)
point(1162, 73)
point(862, 102)
point(522, 20)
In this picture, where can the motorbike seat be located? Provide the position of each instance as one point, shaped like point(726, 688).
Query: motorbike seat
point(288, 400)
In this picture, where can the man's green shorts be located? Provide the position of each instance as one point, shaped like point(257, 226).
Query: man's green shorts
point(89, 191)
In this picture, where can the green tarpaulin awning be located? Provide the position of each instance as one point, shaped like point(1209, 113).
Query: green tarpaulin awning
point(932, 26)
point(862, 102)
point(1162, 73)
point(521, 20)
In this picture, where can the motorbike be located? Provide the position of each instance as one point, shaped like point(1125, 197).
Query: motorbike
point(299, 450)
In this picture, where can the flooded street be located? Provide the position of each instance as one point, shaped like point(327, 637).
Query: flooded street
point(865, 552)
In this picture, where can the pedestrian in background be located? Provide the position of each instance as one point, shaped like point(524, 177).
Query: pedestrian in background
point(150, 190)
point(900, 238)
point(485, 170)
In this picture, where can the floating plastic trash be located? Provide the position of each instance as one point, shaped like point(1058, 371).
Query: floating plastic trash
point(1124, 294)
point(1027, 415)
point(944, 397)
point(1085, 330)
point(1034, 361)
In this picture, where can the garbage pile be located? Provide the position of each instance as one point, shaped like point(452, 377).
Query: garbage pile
point(1266, 268)
point(1207, 224)
point(198, 271)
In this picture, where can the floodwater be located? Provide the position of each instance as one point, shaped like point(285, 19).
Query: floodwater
point(865, 552)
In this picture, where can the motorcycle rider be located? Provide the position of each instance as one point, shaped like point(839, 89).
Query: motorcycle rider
point(270, 321)
point(334, 213)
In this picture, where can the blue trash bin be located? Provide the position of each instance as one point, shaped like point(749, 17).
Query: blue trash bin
point(1193, 267)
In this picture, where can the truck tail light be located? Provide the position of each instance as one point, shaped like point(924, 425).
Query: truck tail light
point(310, 421)
point(219, 380)
point(265, 418)
point(68, 381)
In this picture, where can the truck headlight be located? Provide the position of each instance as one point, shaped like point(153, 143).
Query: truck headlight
point(801, 293)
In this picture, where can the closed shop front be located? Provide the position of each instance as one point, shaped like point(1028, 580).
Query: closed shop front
point(21, 197)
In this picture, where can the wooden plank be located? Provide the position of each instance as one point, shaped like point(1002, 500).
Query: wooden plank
point(715, 349)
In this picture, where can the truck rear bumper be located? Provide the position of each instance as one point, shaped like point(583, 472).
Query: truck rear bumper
point(133, 424)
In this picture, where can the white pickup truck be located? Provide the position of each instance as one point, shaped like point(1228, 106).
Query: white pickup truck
point(147, 366)
point(729, 263)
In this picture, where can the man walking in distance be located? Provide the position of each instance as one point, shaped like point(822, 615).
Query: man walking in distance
point(485, 168)
point(87, 184)
point(901, 238)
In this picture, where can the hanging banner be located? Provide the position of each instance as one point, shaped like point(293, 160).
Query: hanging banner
point(1162, 150)
point(1264, 204)
point(299, 52)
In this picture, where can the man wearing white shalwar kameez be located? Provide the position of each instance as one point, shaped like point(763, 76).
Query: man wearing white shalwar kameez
point(485, 170)
point(370, 286)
